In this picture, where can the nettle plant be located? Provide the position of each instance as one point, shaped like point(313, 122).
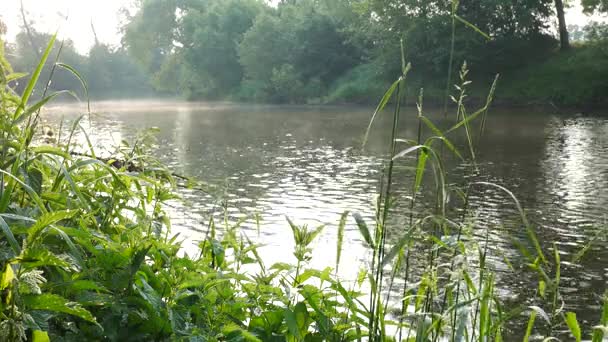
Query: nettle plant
point(86, 250)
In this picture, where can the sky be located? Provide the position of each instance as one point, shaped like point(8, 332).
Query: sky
point(49, 15)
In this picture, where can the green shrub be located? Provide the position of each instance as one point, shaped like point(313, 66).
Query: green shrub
point(359, 85)
point(577, 77)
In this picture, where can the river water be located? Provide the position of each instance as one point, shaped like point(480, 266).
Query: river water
point(306, 163)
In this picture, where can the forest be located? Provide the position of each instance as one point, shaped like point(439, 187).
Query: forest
point(338, 51)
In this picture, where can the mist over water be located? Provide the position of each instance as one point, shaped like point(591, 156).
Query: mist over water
point(306, 163)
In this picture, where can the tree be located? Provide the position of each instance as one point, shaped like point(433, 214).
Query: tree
point(590, 6)
point(4, 64)
point(303, 45)
point(425, 27)
point(25, 58)
point(212, 37)
point(2, 27)
point(149, 34)
point(564, 40)
point(200, 35)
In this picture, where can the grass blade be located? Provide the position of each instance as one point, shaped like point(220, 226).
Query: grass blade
point(82, 82)
point(9, 236)
point(341, 227)
point(38, 105)
point(473, 27)
point(572, 323)
point(387, 96)
point(364, 230)
point(34, 78)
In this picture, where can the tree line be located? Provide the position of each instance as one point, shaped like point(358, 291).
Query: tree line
point(335, 50)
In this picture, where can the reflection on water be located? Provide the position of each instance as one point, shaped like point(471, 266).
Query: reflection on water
point(306, 163)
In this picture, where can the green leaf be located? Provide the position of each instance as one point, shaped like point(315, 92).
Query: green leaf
point(542, 286)
point(475, 28)
point(420, 168)
point(37, 106)
point(388, 257)
point(9, 236)
point(80, 78)
point(297, 320)
point(51, 150)
point(364, 230)
point(47, 220)
point(408, 151)
point(34, 180)
point(530, 326)
point(387, 96)
point(219, 252)
point(6, 196)
point(38, 257)
point(150, 295)
point(598, 335)
point(599, 331)
point(292, 324)
point(441, 136)
point(572, 323)
point(85, 285)
point(341, 227)
point(467, 120)
point(470, 285)
point(55, 303)
point(301, 313)
point(235, 333)
point(15, 76)
point(40, 336)
point(7, 277)
point(541, 312)
point(34, 78)
point(75, 188)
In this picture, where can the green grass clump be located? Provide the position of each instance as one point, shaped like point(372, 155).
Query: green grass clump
point(359, 85)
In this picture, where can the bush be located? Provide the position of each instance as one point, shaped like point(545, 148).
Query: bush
point(362, 84)
point(575, 78)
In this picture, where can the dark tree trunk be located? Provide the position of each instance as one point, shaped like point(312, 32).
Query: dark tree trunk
point(564, 41)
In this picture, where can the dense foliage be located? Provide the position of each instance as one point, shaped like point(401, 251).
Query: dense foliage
point(595, 5)
point(341, 50)
point(319, 51)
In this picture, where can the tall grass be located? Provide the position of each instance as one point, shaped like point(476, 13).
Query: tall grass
point(87, 253)
point(456, 300)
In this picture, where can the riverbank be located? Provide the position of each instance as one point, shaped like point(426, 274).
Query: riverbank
point(575, 79)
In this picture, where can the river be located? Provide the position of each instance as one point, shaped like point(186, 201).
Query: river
point(306, 163)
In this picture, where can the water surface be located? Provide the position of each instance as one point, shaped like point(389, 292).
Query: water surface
point(306, 163)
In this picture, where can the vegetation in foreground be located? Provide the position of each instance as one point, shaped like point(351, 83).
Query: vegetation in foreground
point(86, 251)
